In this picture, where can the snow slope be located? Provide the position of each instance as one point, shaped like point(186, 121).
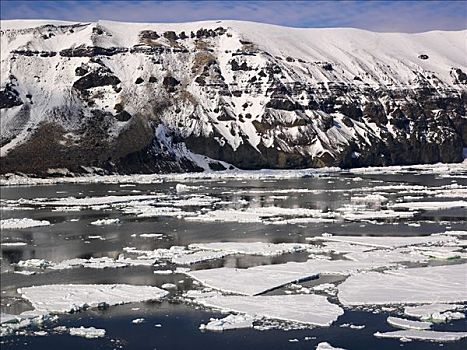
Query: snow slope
point(254, 95)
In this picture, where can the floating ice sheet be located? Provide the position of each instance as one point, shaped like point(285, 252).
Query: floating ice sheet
point(406, 286)
point(308, 309)
point(430, 205)
point(327, 346)
point(62, 298)
point(259, 279)
point(408, 324)
point(90, 332)
point(11, 224)
point(436, 312)
point(423, 335)
point(227, 323)
point(386, 241)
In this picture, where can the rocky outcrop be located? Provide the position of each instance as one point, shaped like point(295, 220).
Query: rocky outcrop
point(191, 96)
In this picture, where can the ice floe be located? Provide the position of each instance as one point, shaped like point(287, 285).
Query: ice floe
point(227, 323)
point(385, 241)
point(302, 308)
point(63, 298)
point(259, 279)
point(13, 244)
point(105, 222)
point(435, 312)
point(408, 324)
point(251, 248)
point(12, 224)
point(326, 346)
point(430, 205)
point(89, 332)
point(423, 335)
point(269, 215)
point(445, 284)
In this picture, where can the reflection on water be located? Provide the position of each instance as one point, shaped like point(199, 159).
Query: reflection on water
point(68, 237)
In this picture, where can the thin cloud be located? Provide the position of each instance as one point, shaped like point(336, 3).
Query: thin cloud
point(405, 16)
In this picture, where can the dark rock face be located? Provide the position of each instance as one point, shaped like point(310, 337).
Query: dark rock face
point(170, 83)
point(94, 79)
point(9, 98)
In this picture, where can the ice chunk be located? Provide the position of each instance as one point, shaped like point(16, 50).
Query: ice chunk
point(4, 318)
point(62, 298)
point(430, 205)
point(301, 308)
point(13, 244)
point(169, 286)
point(327, 346)
point(259, 279)
point(408, 324)
point(228, 322)
point(105, 222)
point(423, 335)
point(432, 311)
point(12, 224)
point(386, 241)
point(251, 248)
point(89, 332)
point(414, 285)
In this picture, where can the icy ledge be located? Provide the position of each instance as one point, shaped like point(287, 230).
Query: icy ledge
point(63, 298)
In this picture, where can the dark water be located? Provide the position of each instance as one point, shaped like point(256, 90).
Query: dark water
point(67, 239)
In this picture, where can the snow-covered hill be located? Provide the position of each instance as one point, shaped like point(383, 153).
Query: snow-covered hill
point(130, 97)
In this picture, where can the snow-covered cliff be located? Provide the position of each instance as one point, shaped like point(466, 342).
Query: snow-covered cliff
point(130, 97)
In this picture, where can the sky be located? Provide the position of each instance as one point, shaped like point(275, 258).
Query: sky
point(376, 15)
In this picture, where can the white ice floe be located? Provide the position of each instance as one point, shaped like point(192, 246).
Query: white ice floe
point(200, 252)
point(261, 215)
point(90, 332)
point(227, 323)
point(386, 241)
point(138, 321)
point(435, 312)
point(169, 286)
point(328, 288)
point(192, 257)
point(34, 263)
point(10, 324)
point(408, 324)
point(105, 222)
point(353, 212)
point(4, 318)
point(430, 205)
point(251, 248)
point(91, 263)
point(327, 346)
point(302, 308)
point(12, 224)
point(180, 188)
point(13, 244)
point(259, 279)
point(445, 284)
point(91, 201)
point(423, 335)
point(148, 211)
point(151, 235)
point(455, 233)
point(62, 298)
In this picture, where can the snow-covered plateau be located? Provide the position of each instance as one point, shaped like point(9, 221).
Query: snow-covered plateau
point(105, 97)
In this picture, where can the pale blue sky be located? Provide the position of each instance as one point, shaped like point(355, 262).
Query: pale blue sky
point(378, 15)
